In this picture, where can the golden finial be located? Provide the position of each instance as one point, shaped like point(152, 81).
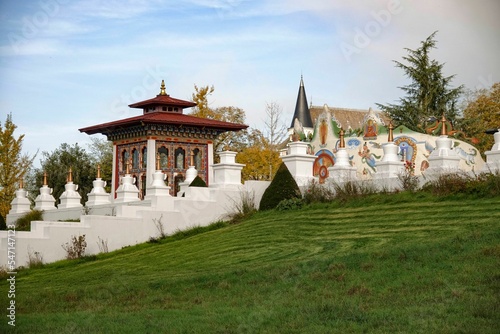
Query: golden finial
point(192, 158)
point(21, 183)
point(443, 126)
point(44, 178)
point(390, 138)
point(341, 134)
point(70, 175)
point(162, 88)
point(127, 171)
point(98, 171)
point(158, 167)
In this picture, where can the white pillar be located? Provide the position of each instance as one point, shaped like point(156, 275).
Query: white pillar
point(299, 163)
point(151, 161)
point(114, 172)
point(227, 173)
point(493, 157)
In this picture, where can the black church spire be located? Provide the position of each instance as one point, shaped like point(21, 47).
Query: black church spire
point(302, 109)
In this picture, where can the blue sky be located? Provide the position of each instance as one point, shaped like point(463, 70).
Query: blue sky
point(71, 64)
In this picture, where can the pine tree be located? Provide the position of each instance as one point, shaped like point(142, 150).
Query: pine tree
point(13, 164)
point(429, 93)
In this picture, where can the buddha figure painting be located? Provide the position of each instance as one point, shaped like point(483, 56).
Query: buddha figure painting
point(370, 130)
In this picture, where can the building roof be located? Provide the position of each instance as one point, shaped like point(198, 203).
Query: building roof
point(347, 117)
point(301, 108)
point(163, 100)
point(163, 118)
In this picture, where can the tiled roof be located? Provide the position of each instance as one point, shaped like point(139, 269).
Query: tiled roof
point(163, 118)
point(163, 100)
point(347, 116)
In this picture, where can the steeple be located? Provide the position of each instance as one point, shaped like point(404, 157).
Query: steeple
point(301, 108)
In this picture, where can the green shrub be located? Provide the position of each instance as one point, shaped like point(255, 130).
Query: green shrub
point(23, 223)
point(198, 182)
point(282, 187)
point(290, 204)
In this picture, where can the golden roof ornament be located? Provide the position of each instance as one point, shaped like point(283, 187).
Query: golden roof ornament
point(443, 126)
point(44, 179)
point(127, 170)
point(390, 138)
point(341, 134)
point(158, 161)
point(21, 183)
point(98, 171)
point(163, 90)
point(70, 175)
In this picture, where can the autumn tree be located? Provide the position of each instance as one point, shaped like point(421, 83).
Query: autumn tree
point(429, 94)
point(13, 164)
point(259, 158)
point(232, 140)
point(482, 112)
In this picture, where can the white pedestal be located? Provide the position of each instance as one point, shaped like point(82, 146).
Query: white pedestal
point(443, 159)
point(45, 201)
point(227, 173)
point(493, 157)
point(389, 166)
point(70, 198)
point(127, 191)
point(299, 163)
point(20, 203)
point(157, 187)
point(342, 171)
point(98, 194)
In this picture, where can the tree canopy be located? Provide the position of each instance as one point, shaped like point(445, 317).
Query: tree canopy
point(13, 164)
point(429, 94)
point(482, 112)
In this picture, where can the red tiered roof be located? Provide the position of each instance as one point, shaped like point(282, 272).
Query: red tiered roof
point(163, 118)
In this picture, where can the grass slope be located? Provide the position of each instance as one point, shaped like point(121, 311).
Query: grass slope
point(385, 263)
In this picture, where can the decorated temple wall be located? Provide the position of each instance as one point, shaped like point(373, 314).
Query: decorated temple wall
point(364, 147)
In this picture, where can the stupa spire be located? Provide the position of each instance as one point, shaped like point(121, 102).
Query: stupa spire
point(163, 90)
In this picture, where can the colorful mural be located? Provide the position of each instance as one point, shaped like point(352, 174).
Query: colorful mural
point(364, 147)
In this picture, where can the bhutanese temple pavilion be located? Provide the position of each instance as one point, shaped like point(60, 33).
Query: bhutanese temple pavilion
point(163, 130)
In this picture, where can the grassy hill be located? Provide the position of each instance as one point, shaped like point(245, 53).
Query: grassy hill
point(405, 262)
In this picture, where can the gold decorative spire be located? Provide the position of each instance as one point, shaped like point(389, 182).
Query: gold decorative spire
point(157, 161)
point(341, 134)
point(44, 178)
point(192, 158)
point(70, 175)
point(390, 138)
point(21, 182)
point(443, 126)
point(127, 171)
point(162, 88)
point(98, 171)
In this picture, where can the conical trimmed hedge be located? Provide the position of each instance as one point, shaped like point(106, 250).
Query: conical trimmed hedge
point(198, 182)
point(282, 187)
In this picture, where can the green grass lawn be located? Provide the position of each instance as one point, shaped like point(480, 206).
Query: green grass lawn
point(409, 263)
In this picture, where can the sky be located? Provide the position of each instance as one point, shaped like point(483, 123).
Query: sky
point(66, 65)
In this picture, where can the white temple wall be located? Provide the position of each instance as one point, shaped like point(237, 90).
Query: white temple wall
point(125, 224)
